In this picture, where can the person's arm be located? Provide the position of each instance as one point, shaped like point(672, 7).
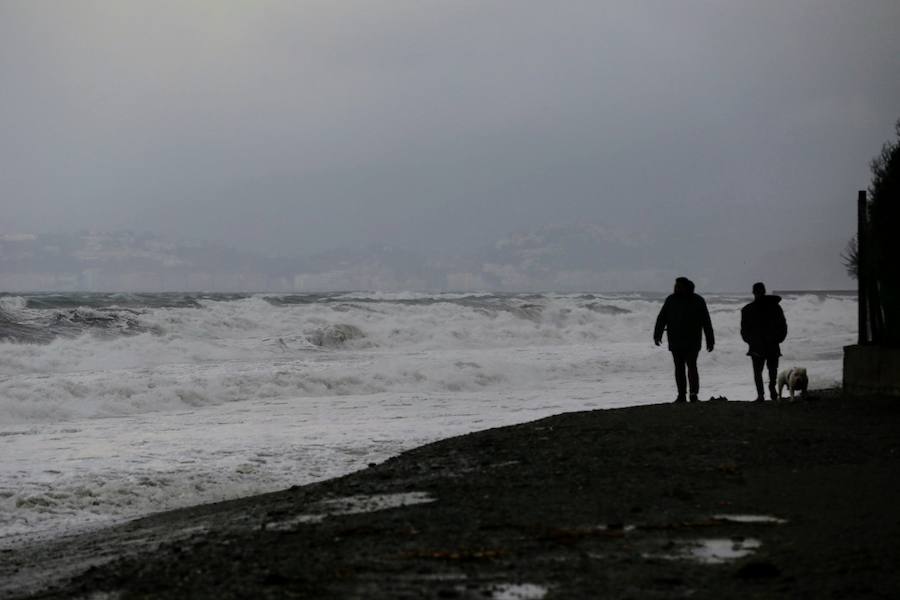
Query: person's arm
point(745, 325)
point(661, 322)
point(707, 327)
point(781, 324)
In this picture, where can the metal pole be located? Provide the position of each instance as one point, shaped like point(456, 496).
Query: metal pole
point(862, 279)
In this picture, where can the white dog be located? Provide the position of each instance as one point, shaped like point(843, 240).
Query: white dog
point(795, 379)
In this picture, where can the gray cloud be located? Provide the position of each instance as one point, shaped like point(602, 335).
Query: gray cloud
point(727, 133)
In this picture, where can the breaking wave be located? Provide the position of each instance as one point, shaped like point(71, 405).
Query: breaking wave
point(91, 355)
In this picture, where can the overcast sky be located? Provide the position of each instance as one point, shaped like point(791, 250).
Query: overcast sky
point(735, 129)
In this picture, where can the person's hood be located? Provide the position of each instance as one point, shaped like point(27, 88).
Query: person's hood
point(688, 290)
point(771, 299)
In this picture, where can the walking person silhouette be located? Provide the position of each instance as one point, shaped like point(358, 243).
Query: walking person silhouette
point(684, 317)
point(763, 327)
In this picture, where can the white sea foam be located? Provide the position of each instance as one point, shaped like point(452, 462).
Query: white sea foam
point(219, 398)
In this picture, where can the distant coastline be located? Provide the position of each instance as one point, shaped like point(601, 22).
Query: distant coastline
point(564, 258)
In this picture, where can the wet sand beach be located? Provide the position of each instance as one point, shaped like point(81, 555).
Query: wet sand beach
point(710, 500)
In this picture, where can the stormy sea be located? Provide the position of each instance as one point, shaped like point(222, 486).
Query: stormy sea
point(113, 406)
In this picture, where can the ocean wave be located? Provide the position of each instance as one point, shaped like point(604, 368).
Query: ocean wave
point(122, 392)
point(335, 336)
point(236, 327)
point(84, 361)
point(31, 326)
point(98, 300)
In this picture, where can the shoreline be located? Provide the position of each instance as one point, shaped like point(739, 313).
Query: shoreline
point(616, 502)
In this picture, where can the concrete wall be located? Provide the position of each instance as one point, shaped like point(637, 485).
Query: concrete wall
point(871, 370)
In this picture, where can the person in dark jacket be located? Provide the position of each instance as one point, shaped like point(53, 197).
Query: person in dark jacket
point(763, 327)
point(684, 317)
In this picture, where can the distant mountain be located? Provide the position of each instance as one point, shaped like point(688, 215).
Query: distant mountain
point(560, 257)
point(555, 257)
point(574, 257)
point(372, 267)
point(126, 260)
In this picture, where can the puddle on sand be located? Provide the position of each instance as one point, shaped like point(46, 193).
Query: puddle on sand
point(115, 595)
point(517, 591)
point(353, 505)
point(289, 524)
point(762, 519)
point(617, 527)
point(710, 551)
point(714, 551)
point(418, 577)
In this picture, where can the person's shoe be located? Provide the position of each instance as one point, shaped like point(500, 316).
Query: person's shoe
point(694, 398)
point(760, 399)
point(680, 398)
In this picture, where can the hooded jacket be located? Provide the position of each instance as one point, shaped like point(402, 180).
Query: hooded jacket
point(763, 326)
point(685, 318)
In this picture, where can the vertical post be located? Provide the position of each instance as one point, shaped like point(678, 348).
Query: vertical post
point(862, 279)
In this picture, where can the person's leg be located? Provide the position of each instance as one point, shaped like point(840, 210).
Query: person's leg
point(772, 364)
point(757, 376)
point(680, 382)
point(692, 375)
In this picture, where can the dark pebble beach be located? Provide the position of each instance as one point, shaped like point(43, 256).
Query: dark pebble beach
point(714, 499)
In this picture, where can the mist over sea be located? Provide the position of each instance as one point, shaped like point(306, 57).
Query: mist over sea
point(114, 406)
